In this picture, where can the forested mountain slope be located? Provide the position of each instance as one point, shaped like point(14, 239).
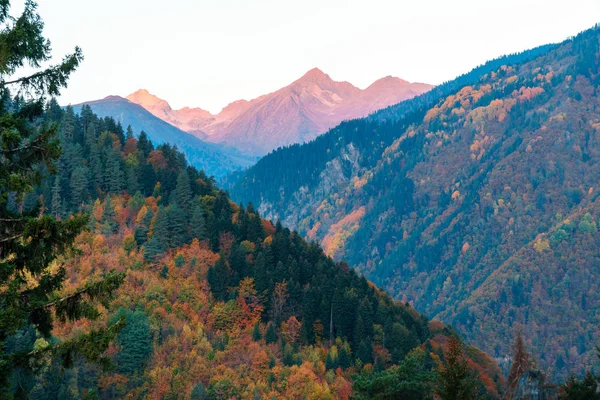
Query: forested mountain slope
point(477, 201)
point(215, 160)
point(218, 303)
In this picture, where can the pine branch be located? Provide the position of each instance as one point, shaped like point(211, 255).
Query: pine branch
point(93, 290)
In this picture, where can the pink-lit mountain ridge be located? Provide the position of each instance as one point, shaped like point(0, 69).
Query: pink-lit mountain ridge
point(296, 113)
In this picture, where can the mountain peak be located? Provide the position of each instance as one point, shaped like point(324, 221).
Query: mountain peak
point(147, 99)
point(314, 75)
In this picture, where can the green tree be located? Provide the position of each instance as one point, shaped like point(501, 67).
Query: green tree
point(581, 389)
point(454, 377)
point(270, 334)
point(256, 335)
point(56, 200)
point(182, 194)
point(178, 233)
point(109, 220)
point(135, 340)
point(159, 242)
point(30, 241)
point(218, 278)
point(198, 222)
point(410, 380)
point(141, 231)
point(199, 392)
point(79, 187)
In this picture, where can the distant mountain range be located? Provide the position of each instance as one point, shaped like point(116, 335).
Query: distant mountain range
point(296, 113)
point(215, 160)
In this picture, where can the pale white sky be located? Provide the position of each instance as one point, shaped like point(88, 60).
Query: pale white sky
point(208, 53)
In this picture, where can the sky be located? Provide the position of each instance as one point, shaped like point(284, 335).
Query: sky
point(208, 53)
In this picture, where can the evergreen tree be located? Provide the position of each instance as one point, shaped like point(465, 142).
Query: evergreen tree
point(56, 202)
point(114, 173)
point(345, 356)
point(147, 178)
point(29, 241)
point(270, 334)
point(218, 278)
point(141, 231)
point(79, 187)
point(365, 351)
point(159, 241)
point(364, 321)
point(109, 217)
point(178, 234)
point(581, 389)
point(144, 146)
point(198, 222)
point(129, 134)
point(454, 377)
point(135, 341)
point(199, 392)
point(183, 193)
point(409, 380)
point(256, 335)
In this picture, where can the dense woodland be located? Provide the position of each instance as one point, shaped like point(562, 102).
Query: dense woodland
point(127, 273)
point(215, 299)
point(476, 202)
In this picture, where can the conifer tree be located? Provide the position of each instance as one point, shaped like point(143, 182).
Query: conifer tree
point(79, 187)
point(159, 242)
point(141, 231)
point(136, 342)
point(109, 217)
point(183, 192)
point(198, 222)
point(256, 335)
point(56, 202)
point(178, 234)
point(270, 334)
point(454, 377)
point(30, 241)
point(218, 278)
point(145, 146)
point(129, 134)
point(199, 392)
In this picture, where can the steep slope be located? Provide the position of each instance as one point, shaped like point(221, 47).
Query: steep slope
point(218, 303)
point(213, 159)
point(450, 200)
point(296, 113)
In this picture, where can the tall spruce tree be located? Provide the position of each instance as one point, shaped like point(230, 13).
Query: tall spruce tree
point(198, 222)
point(30, 240)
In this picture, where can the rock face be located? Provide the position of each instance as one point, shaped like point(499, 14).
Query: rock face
point(532, 386)
point(296, 113)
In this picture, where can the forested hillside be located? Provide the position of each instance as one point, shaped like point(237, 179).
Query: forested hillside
point(476, 202)
point(217, 302)
point(215, 160)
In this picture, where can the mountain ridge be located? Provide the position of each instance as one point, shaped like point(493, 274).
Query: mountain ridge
point(296, 113)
